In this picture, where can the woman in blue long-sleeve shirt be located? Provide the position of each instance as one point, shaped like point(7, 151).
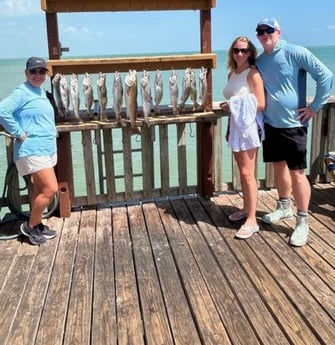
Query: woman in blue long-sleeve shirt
point(28, 116)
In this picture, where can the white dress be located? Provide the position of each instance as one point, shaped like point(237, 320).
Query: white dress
point(245, 122)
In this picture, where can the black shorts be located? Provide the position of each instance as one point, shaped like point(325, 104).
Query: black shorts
point(286, 144)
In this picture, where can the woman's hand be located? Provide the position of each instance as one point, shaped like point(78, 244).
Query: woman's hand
point(224, 106)
point(22, 138)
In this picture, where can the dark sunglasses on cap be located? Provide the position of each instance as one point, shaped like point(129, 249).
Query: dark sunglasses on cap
point(268, 30)
point(242, 50)
point(39, 71)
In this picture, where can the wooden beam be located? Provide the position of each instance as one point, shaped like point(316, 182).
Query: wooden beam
point(53, 36)
point(54, 6)
point(205, 130)
point(151, 63)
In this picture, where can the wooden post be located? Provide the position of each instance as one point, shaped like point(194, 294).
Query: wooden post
point(205, 129)
point(53, 37)
point(64, 169)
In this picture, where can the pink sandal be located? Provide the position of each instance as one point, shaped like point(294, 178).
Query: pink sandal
point(238, 215)
point(246, 231)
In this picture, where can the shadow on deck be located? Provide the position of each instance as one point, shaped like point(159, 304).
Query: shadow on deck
point(170, 272)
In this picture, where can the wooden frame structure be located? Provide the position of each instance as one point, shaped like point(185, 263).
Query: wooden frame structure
point(205, 161)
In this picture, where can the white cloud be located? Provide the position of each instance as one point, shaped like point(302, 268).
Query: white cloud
point(19, 8)
point(70, 29)
point(331, 27)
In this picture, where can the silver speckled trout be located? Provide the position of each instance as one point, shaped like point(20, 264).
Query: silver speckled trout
point(131, 99)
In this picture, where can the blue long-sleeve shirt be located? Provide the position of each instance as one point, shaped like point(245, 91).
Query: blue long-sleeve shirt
point(28, 110)
point(284, 74)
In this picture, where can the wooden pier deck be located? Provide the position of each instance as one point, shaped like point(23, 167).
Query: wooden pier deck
point(169, 271)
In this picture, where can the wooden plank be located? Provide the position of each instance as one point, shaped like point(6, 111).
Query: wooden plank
point(255, 312)
point(104, 318)
point(165, 117)
point(97, 140)
point(205, 167)
point(128, 163)
point(148, 176)
point(64, 200)
point(109, 164)
point(155, 320)
point(130, 327)
point(8, 252)
point(53, 6)
point(269, 176)
point(123, 64)
point(182, 158)
point(217, 156)
point(317, 147)
point(89, 167)
point(12, 292)
point(64, 167)
point(54, 317)
point(210, 327)
point(27, 320)
point(164, 158)
point(183, 326)
point(79, 317)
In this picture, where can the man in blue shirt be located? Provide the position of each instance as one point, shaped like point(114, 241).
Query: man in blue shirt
point(284, 67)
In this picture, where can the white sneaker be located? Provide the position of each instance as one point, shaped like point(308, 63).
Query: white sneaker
point(279, 214)
point(300, 233)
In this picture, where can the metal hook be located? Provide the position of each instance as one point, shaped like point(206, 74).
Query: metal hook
point(191, 132)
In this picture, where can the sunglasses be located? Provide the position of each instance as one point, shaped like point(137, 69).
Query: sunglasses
point(242, 50)
point(261, 32)
point(39, 71)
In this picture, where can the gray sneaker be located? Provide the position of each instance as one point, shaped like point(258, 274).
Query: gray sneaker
point(279, 214)
point(300, 233)
point(33, 234)
point(46, 232)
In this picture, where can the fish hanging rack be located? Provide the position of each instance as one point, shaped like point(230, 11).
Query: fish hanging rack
point(107, 65)
point(52, 6)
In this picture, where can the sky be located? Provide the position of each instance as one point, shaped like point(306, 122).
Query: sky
point(23, 28)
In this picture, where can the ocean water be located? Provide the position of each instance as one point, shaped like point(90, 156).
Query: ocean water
point(12, 74)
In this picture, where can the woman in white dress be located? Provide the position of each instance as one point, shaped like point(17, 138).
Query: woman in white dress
point(245, 97)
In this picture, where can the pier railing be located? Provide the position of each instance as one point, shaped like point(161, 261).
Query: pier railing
point(107, 163)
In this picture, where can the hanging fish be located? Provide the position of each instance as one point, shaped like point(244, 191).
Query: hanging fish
point(189, 89)
point(131, 99)
point(56, 93)
point(173, 88)
point(74, 93)
point(102, 95)
point(146, 95)
point(203, 87)
point(64, 94)
point(117, 95)
point(88, 94)
point(158, 90)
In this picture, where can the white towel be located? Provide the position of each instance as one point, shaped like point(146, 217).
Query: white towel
point(245, 122)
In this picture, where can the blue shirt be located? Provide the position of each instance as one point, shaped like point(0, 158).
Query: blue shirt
point(28, 110)
point(284, 75)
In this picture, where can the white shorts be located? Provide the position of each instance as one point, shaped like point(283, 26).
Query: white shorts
point(30, 164)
